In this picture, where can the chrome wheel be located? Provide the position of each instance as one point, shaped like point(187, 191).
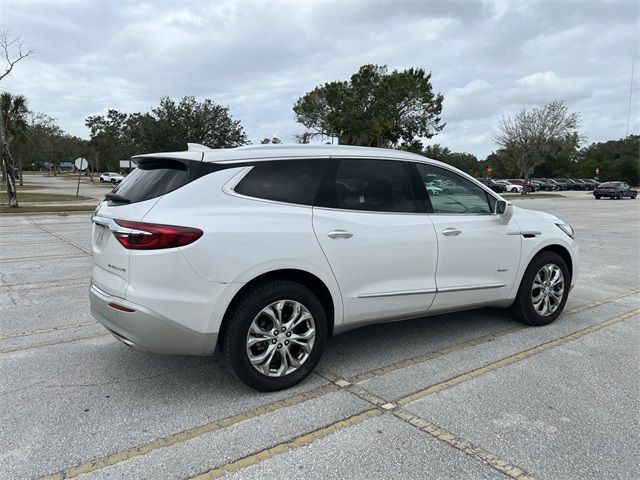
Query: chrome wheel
point(281, 338)
point(547, 290)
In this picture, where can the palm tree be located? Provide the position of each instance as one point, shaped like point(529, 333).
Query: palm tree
point(14, 112)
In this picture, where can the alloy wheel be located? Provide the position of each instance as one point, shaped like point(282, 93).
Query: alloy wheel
point(280, 338)
point(547, 290)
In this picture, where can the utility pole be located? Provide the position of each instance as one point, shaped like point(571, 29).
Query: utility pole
point(633, 64)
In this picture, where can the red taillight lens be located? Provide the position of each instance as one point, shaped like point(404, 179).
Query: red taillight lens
point(152, 236)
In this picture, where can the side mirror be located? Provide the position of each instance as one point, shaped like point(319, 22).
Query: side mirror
point(505, 210)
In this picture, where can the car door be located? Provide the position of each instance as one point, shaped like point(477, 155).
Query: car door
point(377, 238)
point(478, 258)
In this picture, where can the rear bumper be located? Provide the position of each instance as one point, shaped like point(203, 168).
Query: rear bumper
point(146, 330)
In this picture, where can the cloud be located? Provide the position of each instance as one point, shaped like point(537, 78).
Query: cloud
point(488, 58)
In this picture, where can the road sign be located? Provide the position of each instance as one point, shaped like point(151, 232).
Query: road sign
point(81, 163)
point(489, 169)
point(597, 171)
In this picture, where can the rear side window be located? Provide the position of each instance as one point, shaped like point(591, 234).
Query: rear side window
point(290, 181)
point(157, 176)
point(370, 185)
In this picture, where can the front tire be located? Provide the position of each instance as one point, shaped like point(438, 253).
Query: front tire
point(275, 336)
point(597, 197)
point(543, 291)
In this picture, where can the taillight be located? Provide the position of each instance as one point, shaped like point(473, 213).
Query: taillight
point(152, 236)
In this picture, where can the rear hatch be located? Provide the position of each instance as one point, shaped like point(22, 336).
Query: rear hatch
point(130, 201)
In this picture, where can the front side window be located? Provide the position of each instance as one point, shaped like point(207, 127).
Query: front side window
point(370, 185)
point(452, 194)
point(290, 181)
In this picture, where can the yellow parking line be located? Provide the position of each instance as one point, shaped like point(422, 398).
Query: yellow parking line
point(378, 372)
point(502, 465)
point(189, 434)
point(281, 448)
point(435, 354)
point(46, 284)
point(47, 330)
point(48, 343)
point(438, 387)
point(124, 455)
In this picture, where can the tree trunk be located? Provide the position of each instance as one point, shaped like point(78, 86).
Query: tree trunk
point(7, 167)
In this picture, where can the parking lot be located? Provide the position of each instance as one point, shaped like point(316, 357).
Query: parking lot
point(467, 395)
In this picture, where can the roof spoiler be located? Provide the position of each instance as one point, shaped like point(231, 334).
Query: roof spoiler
point(196, 147)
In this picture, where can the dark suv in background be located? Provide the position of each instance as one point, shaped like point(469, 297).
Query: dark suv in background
point(493, 185)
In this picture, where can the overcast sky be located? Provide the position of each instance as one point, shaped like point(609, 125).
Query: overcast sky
point(489, 58)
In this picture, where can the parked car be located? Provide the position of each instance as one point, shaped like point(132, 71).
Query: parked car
point(585, 185)
point(265, 252)
point(562, 182)
point(573, 184)
point(432, 189)
point(547, 184)
point(111, 177)
point(617, 190)
point(493, 185)
point(592, 182)
point(510, 187)
point(532, 187)
point(446, 186)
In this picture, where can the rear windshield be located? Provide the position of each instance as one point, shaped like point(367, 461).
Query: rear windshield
point(156, 176)
point(610, 184)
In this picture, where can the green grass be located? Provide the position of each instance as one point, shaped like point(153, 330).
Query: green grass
point(41, 197)
point(45, 209)
point(3, 187)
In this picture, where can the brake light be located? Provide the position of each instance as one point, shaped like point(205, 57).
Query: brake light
point(153, 236)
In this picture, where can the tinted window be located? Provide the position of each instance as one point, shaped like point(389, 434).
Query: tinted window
point(291, 181)
point(451, 193)
point(155, 177)
point(370, 185)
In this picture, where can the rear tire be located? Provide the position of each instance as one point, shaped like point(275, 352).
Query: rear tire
point(634, 195)
point(543, 290)
point(253, 318)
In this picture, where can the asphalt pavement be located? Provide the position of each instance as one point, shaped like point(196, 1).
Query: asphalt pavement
point(468, 395)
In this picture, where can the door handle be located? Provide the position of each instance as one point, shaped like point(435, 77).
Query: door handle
point(340, 234)
point(451, 232)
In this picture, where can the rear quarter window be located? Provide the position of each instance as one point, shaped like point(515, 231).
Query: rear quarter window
point(289, 181)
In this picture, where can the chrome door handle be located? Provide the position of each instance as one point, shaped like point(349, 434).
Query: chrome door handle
point(451, 232)
point(340, 234)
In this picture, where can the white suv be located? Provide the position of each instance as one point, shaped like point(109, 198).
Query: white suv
point(267, 251)
point(111, 177)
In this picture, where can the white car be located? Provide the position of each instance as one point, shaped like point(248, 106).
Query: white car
point(267, 251)
point(511, 187)
point(111, 177)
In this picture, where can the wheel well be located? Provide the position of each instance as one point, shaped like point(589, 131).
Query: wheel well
point(563, 252)
point(307, 279)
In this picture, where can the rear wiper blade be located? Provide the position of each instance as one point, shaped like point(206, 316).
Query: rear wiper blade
point(114, 197)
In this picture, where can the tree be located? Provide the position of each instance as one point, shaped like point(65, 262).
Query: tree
point(12, 50)
point(44, 141)
point(537, 134)
point(617, 160)
point(13, 113)
point(167, 128)
point(374, 108)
